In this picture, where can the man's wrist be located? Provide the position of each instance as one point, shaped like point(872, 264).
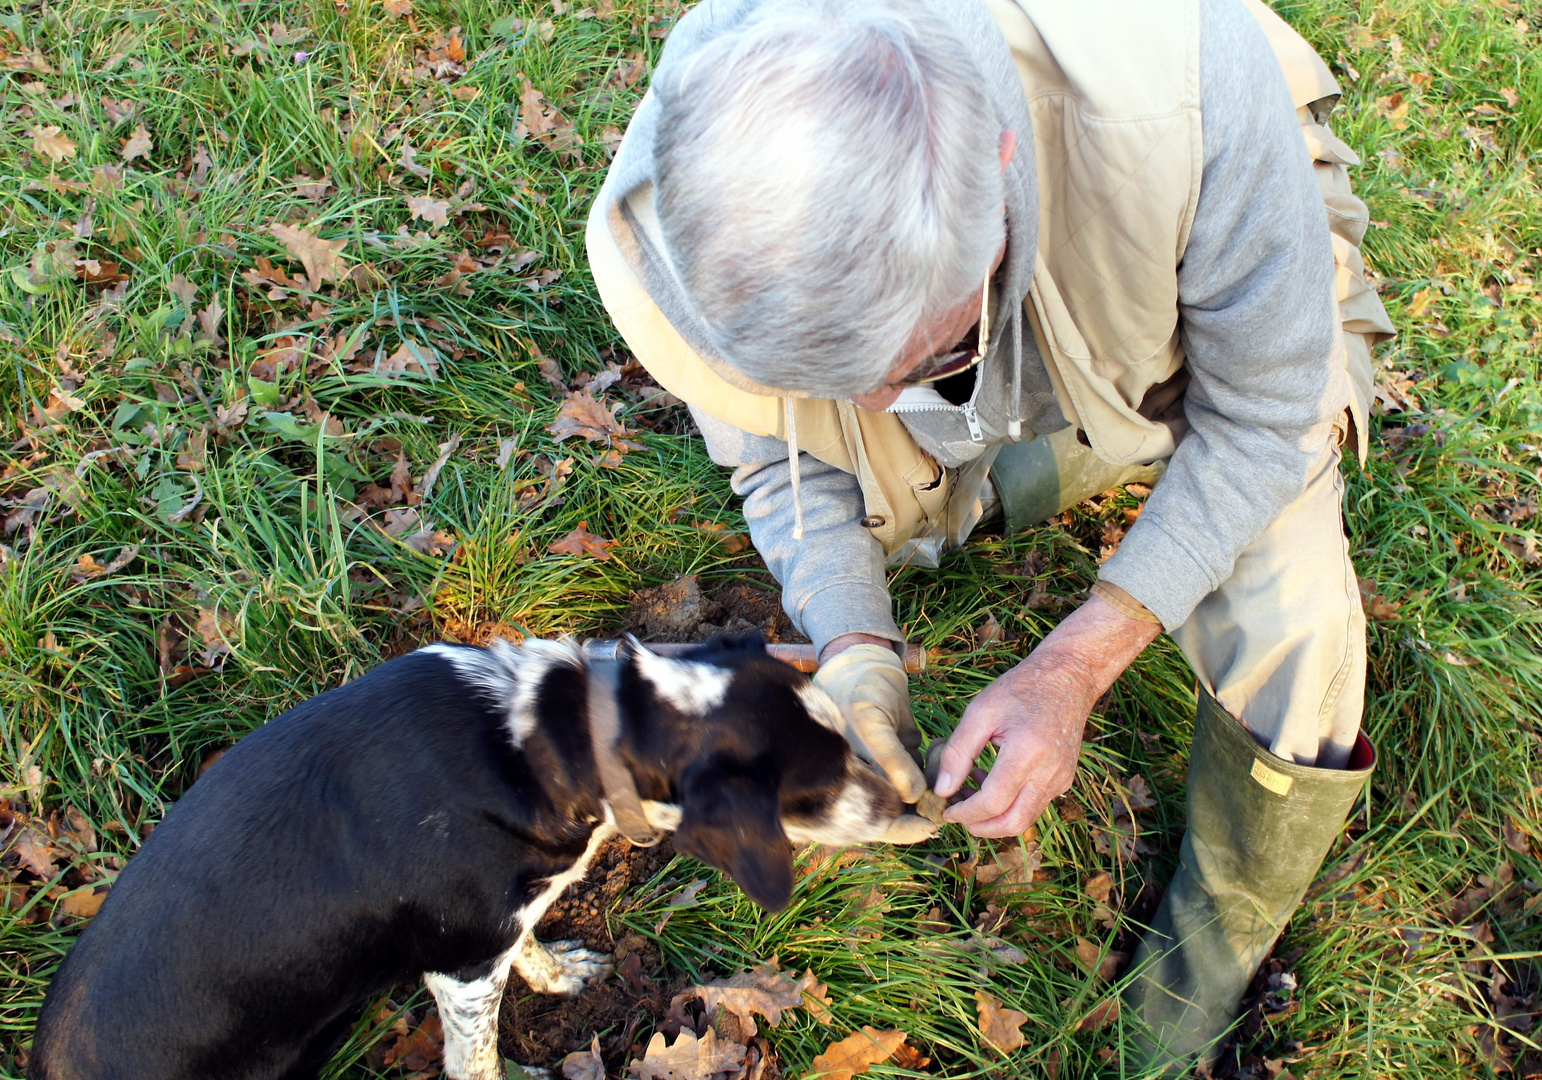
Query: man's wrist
point(1098, 641)
point(846, 641)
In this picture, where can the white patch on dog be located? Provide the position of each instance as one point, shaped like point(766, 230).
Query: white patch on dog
point(558, 967)
point(693, 688)
point(511, 674)
point(851, 819)
point(468, 1012)
point(822, 707)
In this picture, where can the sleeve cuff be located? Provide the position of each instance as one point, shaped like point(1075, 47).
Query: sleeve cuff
point(1123, 602)
point(1159, 573)
point(846, 608)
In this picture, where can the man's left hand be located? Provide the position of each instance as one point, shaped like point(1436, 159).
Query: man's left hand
point(1035, 714)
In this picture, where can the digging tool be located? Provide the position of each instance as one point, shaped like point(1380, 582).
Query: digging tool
point(801, 657)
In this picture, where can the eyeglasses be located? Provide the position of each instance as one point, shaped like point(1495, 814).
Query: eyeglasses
point(955, 361)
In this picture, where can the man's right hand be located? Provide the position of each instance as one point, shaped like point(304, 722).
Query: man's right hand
point(867, 681)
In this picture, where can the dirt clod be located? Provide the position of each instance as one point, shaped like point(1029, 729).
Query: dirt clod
point(683, 611)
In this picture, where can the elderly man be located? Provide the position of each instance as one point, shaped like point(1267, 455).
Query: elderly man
point(911, 262)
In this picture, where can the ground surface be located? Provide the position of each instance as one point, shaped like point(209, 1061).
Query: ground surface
point(292, 300)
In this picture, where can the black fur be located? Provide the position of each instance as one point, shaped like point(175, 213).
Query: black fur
point(388, 828)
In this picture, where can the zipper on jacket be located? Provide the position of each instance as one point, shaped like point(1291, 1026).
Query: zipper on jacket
point(967, 410)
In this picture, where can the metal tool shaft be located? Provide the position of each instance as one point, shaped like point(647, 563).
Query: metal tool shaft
point(801, 657)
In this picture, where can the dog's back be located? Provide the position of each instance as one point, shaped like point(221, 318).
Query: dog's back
point(176, 975)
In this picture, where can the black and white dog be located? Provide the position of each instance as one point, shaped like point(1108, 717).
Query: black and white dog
point(419, 821)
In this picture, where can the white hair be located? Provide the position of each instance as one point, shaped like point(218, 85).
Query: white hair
point(827, 181)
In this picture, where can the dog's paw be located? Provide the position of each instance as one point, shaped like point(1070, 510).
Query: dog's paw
point(560, 967)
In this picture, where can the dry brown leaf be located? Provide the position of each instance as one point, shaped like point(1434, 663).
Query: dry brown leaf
point(585, 1064)
point(119, 112)
point(816, 998)
point(87, 568)
point(689, 1058)
point(1013, 866)
point(1102, 1014)
point(84, 903)
point(1089, 954)
point(34, 849)
point(1377, 608)
point(419, 1050)
point(433, 211)
point(853, 1054)
point(397, 9)
point(1137, 793)
point(216, 628)
point(411, 356)
point(582, 415)
point(540, 120)
point(583, 542)
point(48, 142)
point(762, 991)
point(1000, 1027)
point(1516, 839)
point(137, 145)
point(908, 1057)
point(989, 632)
point(1099, 886)
point(322, 259)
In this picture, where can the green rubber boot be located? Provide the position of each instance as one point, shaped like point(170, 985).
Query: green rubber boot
point(1037, 479)
point(1259, 828)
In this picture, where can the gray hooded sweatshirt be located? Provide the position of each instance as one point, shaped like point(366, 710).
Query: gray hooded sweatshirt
point(1258, 315)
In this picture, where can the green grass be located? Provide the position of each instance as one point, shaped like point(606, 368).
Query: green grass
point(1425, 918)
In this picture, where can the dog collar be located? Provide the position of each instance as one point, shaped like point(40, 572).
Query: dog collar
point(615, 778)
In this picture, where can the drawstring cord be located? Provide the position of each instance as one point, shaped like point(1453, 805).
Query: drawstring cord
point(792, 462)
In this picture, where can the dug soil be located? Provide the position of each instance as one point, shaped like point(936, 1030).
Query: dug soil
point(685, 610)
point(622, 1008)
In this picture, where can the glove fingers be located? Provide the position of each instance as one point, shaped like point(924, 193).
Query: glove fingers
point(902, 772)
point(909, 829)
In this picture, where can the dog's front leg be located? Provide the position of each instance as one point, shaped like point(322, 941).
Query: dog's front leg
point(558, 967)
point(468, 1011)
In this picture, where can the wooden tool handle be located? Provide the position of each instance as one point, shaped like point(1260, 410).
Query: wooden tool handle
point(801, 657)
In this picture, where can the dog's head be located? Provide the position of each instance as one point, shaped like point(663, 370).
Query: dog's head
point(747, 749)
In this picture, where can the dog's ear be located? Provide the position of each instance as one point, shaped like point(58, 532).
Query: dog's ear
point(732, 821)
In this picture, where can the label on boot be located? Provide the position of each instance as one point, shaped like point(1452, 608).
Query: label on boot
point(1270, 780)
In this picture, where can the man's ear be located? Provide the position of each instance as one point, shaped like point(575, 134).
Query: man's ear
point(732, 821)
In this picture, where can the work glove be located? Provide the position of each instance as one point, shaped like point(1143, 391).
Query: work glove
point(868, 683)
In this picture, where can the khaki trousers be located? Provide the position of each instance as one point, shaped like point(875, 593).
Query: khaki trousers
point(1281, 644)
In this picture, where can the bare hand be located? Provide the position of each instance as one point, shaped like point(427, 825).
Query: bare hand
point(1035, 714)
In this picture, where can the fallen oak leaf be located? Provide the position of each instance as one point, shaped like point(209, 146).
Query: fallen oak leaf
point(137, 145)
point(585, 1064)
point(816, 998)
point(689, 1058)
point(1000, 1027)
point(85, 902)
point(581, 414)
point(322, 259)
point(853, 1054)
point(88, 569)
point(1102, 1014)
point(908, 1057)
point(1377, 608)
point(583, 542)
point(761, 990)
point(48, 142)
point(419, 1049)
point(433, 211)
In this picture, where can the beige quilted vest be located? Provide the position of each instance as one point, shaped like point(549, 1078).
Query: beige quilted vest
point(1113, 90)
